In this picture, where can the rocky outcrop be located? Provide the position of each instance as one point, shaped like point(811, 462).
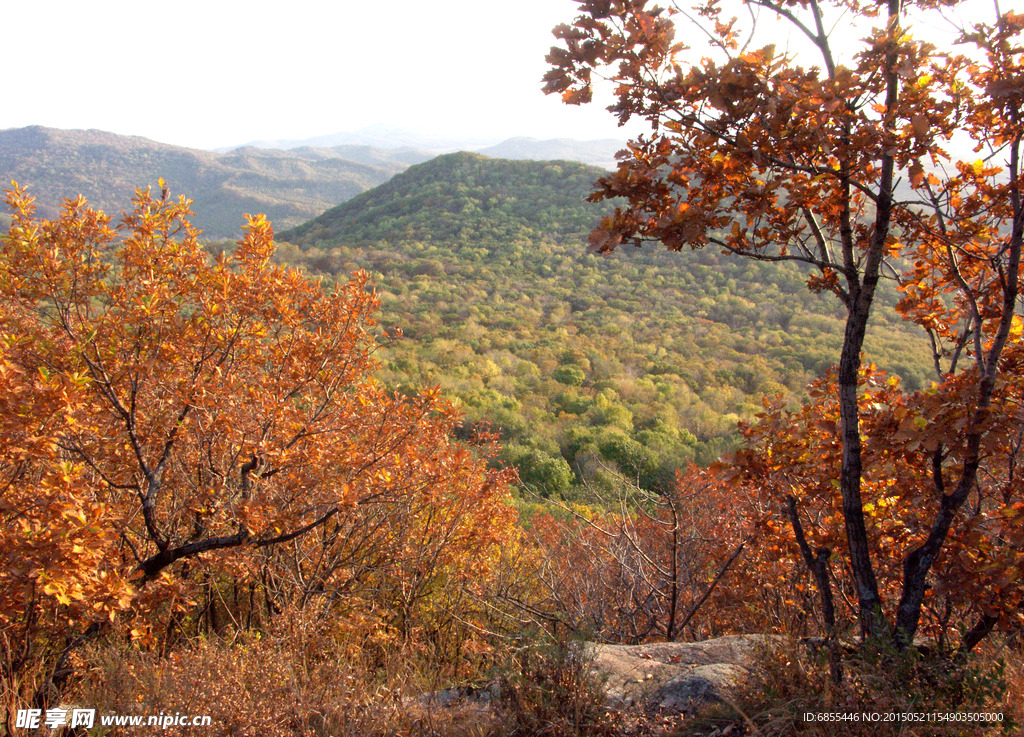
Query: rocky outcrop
point(663, 676)
point(673, 676)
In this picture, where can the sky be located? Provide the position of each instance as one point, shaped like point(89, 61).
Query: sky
point(220, 73)
point(216, 73)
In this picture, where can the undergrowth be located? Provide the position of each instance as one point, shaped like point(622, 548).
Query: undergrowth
point(264, 686)
point(883, 693)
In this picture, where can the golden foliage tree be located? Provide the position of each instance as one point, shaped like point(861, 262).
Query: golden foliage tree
point(839, 160)
point(165, 412)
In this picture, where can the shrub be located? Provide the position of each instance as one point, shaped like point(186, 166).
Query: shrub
point(790, 680)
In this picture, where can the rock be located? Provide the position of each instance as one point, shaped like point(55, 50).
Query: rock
point(673, 676)
point(703, 683)
point(663, 676)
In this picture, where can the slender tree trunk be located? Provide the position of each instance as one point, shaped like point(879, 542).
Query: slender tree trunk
point(670, 628)
point(817, 563)
point(872, 622)
point(861, 299)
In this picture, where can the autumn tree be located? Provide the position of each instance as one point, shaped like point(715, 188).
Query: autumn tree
point(843, 158)
point(165, 412)
point(794, 455)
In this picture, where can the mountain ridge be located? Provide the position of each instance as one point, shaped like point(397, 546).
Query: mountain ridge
point(289, 186)
point(106, 168)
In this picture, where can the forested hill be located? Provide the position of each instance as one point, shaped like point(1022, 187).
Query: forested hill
point(464, 197)
point(288, 186)
point(639, 362)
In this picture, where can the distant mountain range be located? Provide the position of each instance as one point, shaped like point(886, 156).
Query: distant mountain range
point(289, 187)
point(380, 136)
point(600, 152)
point(290, 184)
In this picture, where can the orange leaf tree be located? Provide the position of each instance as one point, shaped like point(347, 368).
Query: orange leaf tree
point(795, 456)
point(161, 406)
point(778, 158)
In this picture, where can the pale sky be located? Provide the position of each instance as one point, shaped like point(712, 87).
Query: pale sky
point(212, 73)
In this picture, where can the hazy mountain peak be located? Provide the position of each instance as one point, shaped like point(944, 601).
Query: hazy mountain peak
point(107, 168)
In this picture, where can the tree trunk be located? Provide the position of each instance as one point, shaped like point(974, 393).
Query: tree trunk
point(872, 622)
point(861, 298)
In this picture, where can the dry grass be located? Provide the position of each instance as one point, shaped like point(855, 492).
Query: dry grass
point(1013, 657)
point(270, 687)
point(302, 678)
point(546, 691)
point(286, 686)
point(790, 682)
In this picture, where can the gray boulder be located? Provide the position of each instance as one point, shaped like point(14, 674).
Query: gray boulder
point(674, 676)
point(665, 676)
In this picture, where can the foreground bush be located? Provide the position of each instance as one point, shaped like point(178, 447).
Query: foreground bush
point(791, 692)
point(192, 444)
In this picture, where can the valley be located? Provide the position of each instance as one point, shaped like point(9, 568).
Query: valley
point(637, 363)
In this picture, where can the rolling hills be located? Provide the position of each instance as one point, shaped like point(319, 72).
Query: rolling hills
point(637, 363)
point(290, 187)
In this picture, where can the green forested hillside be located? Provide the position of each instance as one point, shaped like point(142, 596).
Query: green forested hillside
point(639, 362)
point(465, 197)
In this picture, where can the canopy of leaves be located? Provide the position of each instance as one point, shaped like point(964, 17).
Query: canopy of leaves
point(167, 414)
point(481, 264)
